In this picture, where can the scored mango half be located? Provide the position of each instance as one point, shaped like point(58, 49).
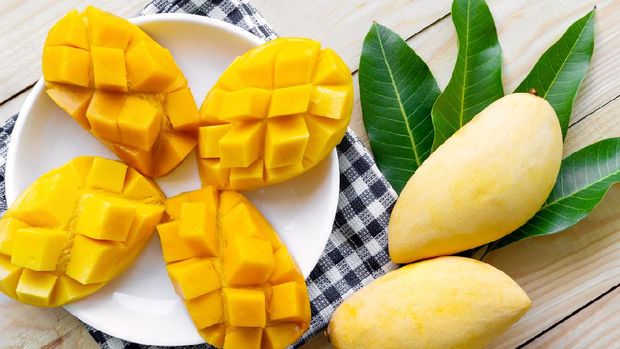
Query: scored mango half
point(239, 284)
point(74, 229)
point(123, 87)
point(276, 111)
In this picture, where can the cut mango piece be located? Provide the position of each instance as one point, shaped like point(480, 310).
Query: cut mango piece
point(199, 227)
point(35, 287)
point(123, 87)
point(66, 65)
point(182, 110)
point(256, 114)
point(75, 229)
point(38, 248)
point(109, 68)
point(245, 295)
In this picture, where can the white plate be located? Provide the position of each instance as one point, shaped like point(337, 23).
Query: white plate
point(141, 306)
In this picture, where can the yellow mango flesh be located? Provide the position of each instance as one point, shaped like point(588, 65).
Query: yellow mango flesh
point(276, 111)
point(446, 302)
point(483, 183)
point(123, 87)
point(239, 284)
point(74, 229)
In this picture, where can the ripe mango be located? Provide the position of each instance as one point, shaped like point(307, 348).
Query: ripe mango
point(239, 284)
point(74, 229)
point(123, 87)
point(446, 302)
point(276, 111)
point(484, 182)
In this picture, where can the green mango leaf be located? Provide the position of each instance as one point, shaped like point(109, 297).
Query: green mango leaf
point(559, 72)
point(477, 76)
point(397, 92)
point(585, 176)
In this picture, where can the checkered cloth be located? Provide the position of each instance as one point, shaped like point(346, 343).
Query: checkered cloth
point(356, 252)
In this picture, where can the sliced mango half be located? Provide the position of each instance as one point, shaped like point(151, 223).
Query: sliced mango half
point(74, 229)
point(275, 112)
point(239, 284)
point(123, 87)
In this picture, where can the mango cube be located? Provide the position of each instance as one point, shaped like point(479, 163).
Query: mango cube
point(173, 148)
point(214, 335)
point(73, 100)
point(211, 106)
point(245, 307)
point(288, 302)
point(9, 276)
point(241, 338)
point(281, 336)
point(35, 287)
point(49, 202)
point(38, 248)
point(290, 100)
point(242, 145)
point(285, 269)
point(107, 175)
point(67, 65)
point(145, 69)
point(331, 101)
point(109, 68)
point(173, 247)
point(93, 261)
point(206, 310)
point(199, 227)
point(104, 219)
point(46, 259)
point(102, 114)
point(247, 104)
point(139, 187)
point(285, 141)
point(8, 229)
point(69, 31)
point(182, 110)
point(295, 62)
point(107, 30)
point(247, 261)
point(209, 140)
point(139, 123)
point(254, 118)
point(330, 70)
point(193, 277)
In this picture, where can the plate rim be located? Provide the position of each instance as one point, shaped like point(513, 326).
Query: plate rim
point(38, 89)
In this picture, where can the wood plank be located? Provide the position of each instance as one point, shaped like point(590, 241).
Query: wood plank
point(12, 107)
point(25, 326)
point(24, 26)
point(594, 327)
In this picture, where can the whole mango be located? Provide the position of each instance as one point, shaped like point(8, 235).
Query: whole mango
point(484, 182)
point(277, 111)
point(123, 87)
point(236, 278)
point(446, 302)
point(74, 229)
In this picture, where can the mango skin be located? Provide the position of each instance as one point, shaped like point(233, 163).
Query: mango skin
point(446, 302)
point(484, 182)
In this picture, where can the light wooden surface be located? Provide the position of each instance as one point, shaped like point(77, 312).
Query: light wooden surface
point(571, 277)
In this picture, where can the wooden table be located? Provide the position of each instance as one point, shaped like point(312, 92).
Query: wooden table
point(572, 277)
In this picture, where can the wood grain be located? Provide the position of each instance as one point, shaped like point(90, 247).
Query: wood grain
point(24, 25)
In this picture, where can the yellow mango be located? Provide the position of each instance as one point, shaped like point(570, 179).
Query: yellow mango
point(276, 111)
point(74, 229)
point(484, 182)
point(137, 102)
point(446, 302)
point(248, 293)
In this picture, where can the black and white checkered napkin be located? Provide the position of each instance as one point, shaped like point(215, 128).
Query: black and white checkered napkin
point(356, 252)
